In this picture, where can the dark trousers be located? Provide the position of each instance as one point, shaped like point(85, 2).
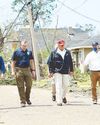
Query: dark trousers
point(95, 76)
point(24, 83)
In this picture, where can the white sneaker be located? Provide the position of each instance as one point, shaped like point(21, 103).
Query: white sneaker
point(94, 101)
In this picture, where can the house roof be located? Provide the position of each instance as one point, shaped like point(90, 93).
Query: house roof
point(44, 36)
point(80, 39)
point(83, 43)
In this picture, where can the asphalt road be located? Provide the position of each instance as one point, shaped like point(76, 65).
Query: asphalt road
point(78, 111)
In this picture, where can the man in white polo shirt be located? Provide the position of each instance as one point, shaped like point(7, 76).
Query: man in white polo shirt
point(92, 60)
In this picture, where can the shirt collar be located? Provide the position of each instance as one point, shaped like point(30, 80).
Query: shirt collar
point(61, 50)
point(20, 49)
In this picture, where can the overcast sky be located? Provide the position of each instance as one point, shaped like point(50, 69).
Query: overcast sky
point(68, 13)
point(67, 17)
point(6, 13)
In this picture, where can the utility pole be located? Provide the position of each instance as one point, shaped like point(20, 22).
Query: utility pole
point(29, 7)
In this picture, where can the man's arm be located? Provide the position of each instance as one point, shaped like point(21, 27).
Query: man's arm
point(13, 61)
point(51, 65)
point(32, 64)
point(13, 67)
point(86, 63)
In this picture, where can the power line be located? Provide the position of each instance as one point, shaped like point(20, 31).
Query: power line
point(71, 9)
point(84, 2)
point(60, 7)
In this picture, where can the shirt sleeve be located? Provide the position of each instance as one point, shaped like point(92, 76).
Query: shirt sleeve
point(50, 63)
point(31, 55)
point(14, 56)
point(71, 62)
point(2, 68)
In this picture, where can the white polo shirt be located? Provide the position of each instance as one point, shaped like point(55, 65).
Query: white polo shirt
point(93, 61)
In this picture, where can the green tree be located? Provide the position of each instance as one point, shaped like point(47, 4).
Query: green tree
point(41, 9)
point(1, 40)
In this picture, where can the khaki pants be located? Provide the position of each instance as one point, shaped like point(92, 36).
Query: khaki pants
point(61, 82)
point(52, 80)
point(53, 89)
point(95, 76)
point(24, 83)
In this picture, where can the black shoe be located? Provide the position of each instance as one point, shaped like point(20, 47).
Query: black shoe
point(64, 100)
point(29, 102)
point(53, 98)
point(59, 104)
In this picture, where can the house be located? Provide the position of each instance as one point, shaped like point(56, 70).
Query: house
point(11, 43)
point(44, 38)
point(80, 49)
point(8, 48)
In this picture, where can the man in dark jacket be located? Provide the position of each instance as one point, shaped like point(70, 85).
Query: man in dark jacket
point(61, 66)
point(2, 67)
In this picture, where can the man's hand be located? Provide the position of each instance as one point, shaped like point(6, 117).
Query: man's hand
point(71, 74)
point(13, 68)
point(50, 75)
point(2, 76)
point(13, 73)
point(33, 75)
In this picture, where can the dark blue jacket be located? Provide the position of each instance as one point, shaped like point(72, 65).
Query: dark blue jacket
point(2, 65)
point(57, 64)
